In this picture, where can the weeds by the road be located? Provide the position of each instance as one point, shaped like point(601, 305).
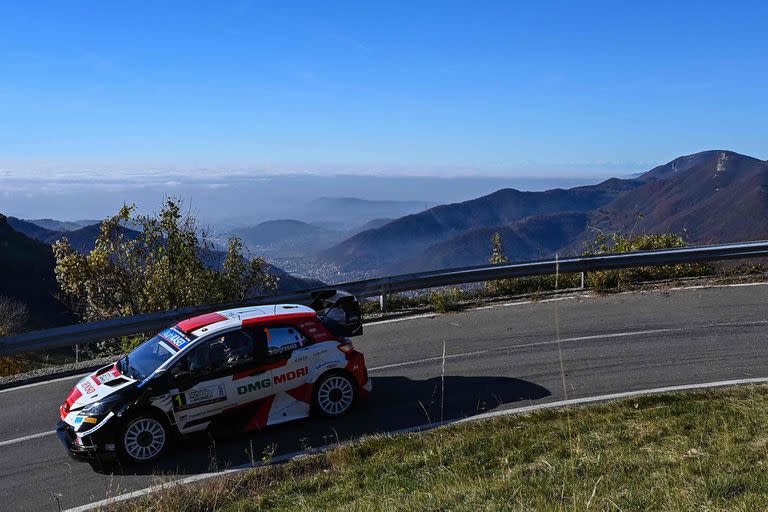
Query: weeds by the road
point(690, 451)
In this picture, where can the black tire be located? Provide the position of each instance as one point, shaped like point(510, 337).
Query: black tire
point(334, 394)
point(143, 437)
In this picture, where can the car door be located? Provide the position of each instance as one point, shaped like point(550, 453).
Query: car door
point(288, 357)
point(205, 381)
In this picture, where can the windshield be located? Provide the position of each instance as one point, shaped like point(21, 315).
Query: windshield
point(146, 358)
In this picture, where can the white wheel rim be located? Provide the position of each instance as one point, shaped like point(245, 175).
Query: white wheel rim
point(144, 438)
point(335, 395)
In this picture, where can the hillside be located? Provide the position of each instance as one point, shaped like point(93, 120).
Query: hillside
point(82, 239)
point(32, 230)
point(408, 236)
point(373, 224)
point(709, 197)
point(531, 238)
point(289, 283)
point(713, 196)
point(26, 274)
point(343, 211)
point(280, 231)
point(62, 225)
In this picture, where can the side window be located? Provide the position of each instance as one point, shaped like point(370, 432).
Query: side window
point(224, 351)
point(283, 339)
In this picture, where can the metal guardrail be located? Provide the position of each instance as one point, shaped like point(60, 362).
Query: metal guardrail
point(85, 333)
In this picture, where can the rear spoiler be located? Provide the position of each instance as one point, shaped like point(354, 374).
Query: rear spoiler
point(339, 311)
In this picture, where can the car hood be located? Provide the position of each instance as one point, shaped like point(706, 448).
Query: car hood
point(99, 384)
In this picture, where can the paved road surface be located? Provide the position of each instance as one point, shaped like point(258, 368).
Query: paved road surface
point(498, 357)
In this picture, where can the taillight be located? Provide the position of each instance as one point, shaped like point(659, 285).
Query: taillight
point(346, 347)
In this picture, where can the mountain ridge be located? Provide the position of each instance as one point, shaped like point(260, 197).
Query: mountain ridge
point(408, 236)
point(705, 197)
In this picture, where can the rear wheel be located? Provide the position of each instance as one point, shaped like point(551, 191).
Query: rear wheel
point(334, 394)
point(143, 438)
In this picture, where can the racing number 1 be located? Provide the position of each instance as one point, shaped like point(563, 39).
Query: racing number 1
point(178, 401)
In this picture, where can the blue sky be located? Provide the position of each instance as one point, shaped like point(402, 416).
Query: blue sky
point(385, 87)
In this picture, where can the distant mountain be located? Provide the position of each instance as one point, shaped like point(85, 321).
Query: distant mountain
point(531, 238)
point(372, 224)
point(408, 236)
point(83, 239)
point(26, 274)
point(343, 211)
point(62, 225)
point(280, 231)
point(708, 197)
point(32, 230)
point(712, 196)
point(287, 238)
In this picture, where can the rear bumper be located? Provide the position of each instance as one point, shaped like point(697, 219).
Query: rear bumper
point(356, 366)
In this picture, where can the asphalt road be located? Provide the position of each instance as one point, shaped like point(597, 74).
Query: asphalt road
point(499, 357)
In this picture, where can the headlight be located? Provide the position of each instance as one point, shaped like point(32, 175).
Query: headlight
point(102, 406)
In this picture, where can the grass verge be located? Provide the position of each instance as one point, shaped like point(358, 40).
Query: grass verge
point(702, 450)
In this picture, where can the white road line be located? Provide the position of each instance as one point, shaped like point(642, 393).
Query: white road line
point(393, 320)
point(26, 438)
point(704, 286)
point(523, 345)
point(419, 428)
point(42, 383)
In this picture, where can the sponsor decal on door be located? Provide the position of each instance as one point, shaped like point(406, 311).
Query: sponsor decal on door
point(199, 397)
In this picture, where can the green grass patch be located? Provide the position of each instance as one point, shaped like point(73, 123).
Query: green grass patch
point(703, 450)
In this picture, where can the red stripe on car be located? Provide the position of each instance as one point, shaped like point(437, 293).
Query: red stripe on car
point(276, 318)
point(196, 322)
point(260, 417)
point(302, 393)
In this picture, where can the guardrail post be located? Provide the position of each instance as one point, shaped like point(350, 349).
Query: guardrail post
point(583, 280)
point(382, 302)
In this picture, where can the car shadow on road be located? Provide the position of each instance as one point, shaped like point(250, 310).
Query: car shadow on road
point(396, 403)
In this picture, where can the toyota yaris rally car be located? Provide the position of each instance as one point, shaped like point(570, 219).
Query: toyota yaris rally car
point(245, 368)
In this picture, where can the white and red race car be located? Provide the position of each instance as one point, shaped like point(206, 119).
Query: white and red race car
point(245, 368)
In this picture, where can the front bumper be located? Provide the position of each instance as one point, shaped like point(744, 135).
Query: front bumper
point(88, 447)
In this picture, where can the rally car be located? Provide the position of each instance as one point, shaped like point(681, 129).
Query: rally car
point(245, 368)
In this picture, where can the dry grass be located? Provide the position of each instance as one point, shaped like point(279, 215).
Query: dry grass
point(694, 451)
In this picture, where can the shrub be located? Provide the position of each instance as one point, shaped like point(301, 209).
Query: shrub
point(611, 279)
point(520, 285)
point(446, 300)
point(13, 317)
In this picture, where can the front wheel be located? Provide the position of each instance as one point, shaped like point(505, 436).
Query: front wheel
point(143, 438)
point(334, 395)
